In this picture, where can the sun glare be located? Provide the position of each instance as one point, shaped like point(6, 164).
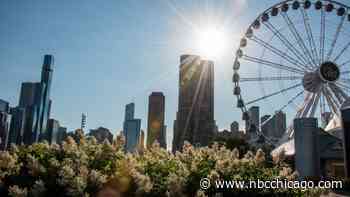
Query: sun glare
point(211, 43)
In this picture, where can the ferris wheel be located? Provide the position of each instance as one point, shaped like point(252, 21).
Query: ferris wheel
point(295, 57)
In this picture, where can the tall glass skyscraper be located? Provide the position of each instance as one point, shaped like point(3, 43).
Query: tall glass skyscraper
point(4, 123)
point(35, 103)
point(156, 130)
point(132, 127)
point(46, 80)
point(195, 116)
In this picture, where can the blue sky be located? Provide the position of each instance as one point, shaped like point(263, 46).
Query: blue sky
point(112, 52)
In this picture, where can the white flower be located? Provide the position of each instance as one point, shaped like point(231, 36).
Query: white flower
point(16, 191)
point(34, 166)
point(200, 193)
point(97, 178)
point(7, 160)
point(259, 156)
point(143, 182)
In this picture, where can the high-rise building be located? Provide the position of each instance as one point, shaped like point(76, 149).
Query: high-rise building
point(195, 116)
point(4, 123)
point(234, 127)
point(281, 124)
point(46, 80)
point(61, 135)
point(163, 141)
point(254, 121)
point(17, 126)
point(30, 99)
point(156, 112)
point(142, 141)
point(53, 127)
point(129, 111)
point(36, 104)
point(274, 126)
point(101, 134)
point(132, 127)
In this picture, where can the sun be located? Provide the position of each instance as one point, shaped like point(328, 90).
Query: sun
point(211, 43)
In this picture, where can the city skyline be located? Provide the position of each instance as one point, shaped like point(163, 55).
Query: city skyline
point(95, 50)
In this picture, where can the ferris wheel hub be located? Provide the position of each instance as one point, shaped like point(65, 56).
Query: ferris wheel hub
point(329, 71)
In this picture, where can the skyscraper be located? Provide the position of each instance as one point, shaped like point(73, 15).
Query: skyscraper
point(61, 135)
point(35, 103)
point(17, 126)
point(4, 123)
point(156, 128)
point(30, 99)
point(141, 145)
point(53, 127)
point(254, 115)
point(46, 80)
point(195, 116)
point(274, 126)
point(132, 127)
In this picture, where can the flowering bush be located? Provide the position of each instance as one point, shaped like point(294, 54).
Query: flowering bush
point(91, 169)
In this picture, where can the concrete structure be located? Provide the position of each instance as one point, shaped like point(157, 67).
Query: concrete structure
point(195, 115)
point(53, 127)
point(101, 134)
point(345, 123)
point(156, 130)
point(307, 155)
point(132, 127)
point(4, 123)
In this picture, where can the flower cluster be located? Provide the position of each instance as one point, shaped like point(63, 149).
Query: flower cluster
point(85, 168)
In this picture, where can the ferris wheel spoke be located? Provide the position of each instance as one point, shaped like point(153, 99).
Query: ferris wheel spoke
point(329, 101)
point(335, 39)
point(332, 95)
point(323, 35)
point(315, 104)
point(342, 52)
point(344, 63)
point(272, 64)
point(255, 79)
point(339, 91)
point(274, 94)
point(291, 100)
point(345, 72)
point(299, 39)
point(322, 104)
point(287, 44)
point(309, 33)
point(278, 52)
point(308, 105)
point(343, 85)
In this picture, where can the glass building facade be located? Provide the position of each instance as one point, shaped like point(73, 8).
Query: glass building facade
point(132, 127)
